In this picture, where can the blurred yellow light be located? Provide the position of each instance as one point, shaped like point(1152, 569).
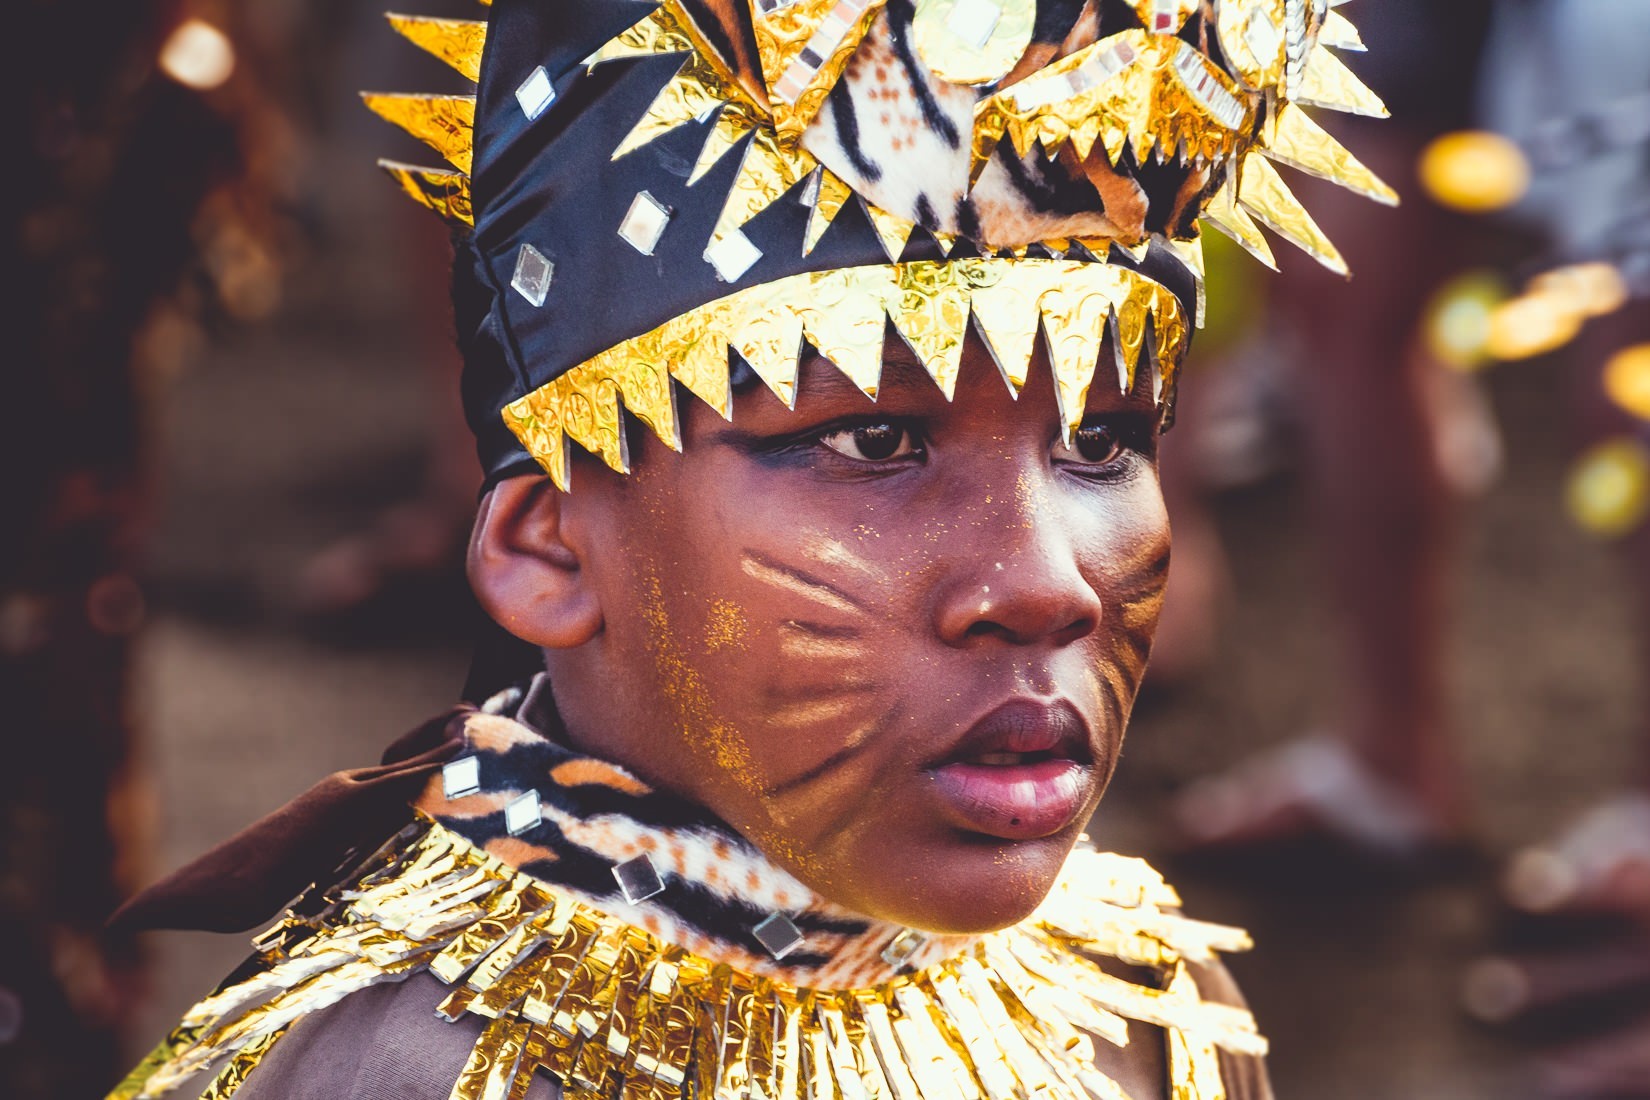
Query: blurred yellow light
point(1609, 489)
point(1627, 380)
point(1591, 289)
point(1457, 325)
point(1531, 325)
point(198, 55)
point(1475, 171)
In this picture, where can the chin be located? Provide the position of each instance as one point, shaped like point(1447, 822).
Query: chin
point(978, 885)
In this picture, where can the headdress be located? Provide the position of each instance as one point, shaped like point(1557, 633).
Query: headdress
point(654, 189)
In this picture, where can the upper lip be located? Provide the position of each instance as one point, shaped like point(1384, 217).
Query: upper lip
point(1044, 729)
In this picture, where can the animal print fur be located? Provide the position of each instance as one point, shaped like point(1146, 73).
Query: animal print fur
point(900, 136)
point(719, 886)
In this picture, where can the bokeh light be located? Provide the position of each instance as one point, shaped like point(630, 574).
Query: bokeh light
point(1609, 488)
point(1531, 325)
point(1457, 326)
point(1627, 380)
point(198, 55)
point(1475, 171)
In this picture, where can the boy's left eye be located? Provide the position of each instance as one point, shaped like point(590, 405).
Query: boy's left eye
point(1091, 445)
point(872, 442)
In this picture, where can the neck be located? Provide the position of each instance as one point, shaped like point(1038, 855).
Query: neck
point(654, 859)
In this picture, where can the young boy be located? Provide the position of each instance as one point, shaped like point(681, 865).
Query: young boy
point(830, 654)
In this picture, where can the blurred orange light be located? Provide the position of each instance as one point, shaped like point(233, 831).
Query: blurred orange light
point(198, 55)
point(1627, 380)
point(1591, 289)
point(1530, 325)
point(1475, 171)
point(1609, 489)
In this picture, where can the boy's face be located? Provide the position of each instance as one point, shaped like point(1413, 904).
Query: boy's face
point(895, 643)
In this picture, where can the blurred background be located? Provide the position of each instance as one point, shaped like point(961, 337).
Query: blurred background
point(1397, 722)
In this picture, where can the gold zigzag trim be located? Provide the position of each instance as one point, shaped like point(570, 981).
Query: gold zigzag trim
point(615, 1014)
point(458, 42)
point(1142, 104)
point(843, 314)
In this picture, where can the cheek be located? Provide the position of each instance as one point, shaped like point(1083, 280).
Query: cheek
point(1127, 562)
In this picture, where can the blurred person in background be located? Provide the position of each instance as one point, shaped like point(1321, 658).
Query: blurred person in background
point(138, 195)
point(1569, 80)
point(1390, 438)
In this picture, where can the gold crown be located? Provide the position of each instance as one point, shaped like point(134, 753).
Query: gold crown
point(1138, 94)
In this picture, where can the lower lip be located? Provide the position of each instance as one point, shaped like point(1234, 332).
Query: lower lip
point(1016, 801)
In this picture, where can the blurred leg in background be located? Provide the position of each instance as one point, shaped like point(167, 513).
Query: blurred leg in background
point(1376, 415)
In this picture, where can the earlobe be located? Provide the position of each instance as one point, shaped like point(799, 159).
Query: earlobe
point(524, 573)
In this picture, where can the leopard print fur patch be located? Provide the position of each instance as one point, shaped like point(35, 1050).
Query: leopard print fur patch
point(596, 815)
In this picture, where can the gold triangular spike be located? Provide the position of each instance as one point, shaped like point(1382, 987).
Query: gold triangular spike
point(892, 230)
point(766, 172)
point(936, 332)
point(1263, 193)
point(732, 124)
point(1135, 251)
point(446, 123)
point(1328, 83)
point(1226, 215)
point(850, 331)
point(1008, 322)
point(692, 93)
point(1296, 140)
point(458, 42)
point(1190, 253)
point(1074, 323)
point(1338, 31)
point(446, 192)
point(946, 241)
point(702, 366)
point(774, 352)
point(657, 34)
point(833, 195)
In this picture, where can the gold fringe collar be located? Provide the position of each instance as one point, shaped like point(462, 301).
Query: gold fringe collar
point(612, 1012)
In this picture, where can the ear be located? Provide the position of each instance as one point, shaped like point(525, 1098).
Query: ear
point(523, 571)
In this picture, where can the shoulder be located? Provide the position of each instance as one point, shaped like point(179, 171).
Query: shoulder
point(381, 1043)
point(1244, 1075)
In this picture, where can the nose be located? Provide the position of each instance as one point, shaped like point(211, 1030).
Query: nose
point(1020, 580)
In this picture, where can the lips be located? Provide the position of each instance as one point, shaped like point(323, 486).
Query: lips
point(1022, 772)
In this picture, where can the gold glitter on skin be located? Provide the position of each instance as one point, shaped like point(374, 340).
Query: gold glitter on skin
point(689, 694)
point(725, 627)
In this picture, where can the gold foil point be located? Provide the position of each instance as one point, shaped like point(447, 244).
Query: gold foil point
point(1329, 83)
point(444, 123)
point(1293, 138)
point(458, 42)
point(1338, 31)
point(828, 203)
point(1263, 193)
point(445, 192)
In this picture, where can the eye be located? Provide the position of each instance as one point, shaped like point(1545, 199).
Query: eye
point(872, 442)
point(1092, 445)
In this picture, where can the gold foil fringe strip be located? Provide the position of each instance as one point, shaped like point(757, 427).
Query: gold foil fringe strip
point(843, 314)
point(612, 1012)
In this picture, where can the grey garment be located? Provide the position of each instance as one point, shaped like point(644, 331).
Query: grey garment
point(384, 1043)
